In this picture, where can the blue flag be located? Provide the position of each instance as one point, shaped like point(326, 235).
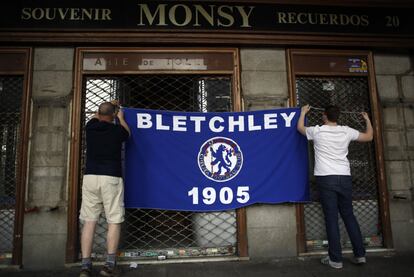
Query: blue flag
point(214, 161)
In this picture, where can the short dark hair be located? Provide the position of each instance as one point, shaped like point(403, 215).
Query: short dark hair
point(106, 108)
point(332, 113)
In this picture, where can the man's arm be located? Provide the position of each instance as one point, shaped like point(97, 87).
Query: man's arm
point(369, 132)
point(301, 123)
point(122, 121)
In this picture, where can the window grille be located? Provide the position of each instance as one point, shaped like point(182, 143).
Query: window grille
point(11, 88)
point(148, 233)
point(351, 94)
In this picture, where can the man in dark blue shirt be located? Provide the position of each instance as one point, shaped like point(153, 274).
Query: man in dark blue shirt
point(103, 188)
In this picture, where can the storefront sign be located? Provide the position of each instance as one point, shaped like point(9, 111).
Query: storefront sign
point(147, 61)
point(105, 15)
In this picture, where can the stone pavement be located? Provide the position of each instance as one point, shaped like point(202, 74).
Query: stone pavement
point(379, 265)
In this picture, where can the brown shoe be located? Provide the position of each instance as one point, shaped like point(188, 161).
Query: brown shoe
point(109, 271)
point(85, 272)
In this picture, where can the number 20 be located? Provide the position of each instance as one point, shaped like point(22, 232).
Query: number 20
point(392, 21)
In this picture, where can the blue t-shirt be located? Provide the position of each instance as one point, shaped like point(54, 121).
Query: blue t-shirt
point(103, 148)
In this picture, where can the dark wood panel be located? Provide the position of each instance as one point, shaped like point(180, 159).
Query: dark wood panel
point(183, 38)
point(13, 62)
point(18, 61)
point(330, 64)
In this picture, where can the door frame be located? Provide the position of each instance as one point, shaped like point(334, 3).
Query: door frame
point(383, 200)
point(72, 245)
point(22, 148)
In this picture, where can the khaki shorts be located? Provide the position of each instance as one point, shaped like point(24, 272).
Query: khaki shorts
point(100, 192)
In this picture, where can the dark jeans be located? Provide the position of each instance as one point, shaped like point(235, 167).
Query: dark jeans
point(336, 196)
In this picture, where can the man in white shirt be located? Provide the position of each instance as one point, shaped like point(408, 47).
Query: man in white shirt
point(333, 177)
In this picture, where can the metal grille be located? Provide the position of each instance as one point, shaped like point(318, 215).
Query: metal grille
point(150, 233)
point(11, 88)
point(352, 96)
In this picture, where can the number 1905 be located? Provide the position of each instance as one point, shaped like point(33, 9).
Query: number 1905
point(226, 195)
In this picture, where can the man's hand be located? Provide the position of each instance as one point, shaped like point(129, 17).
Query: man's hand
point(369, 132)
point(305, 109)
point(120, 115)
point(115, 103)
point(122, 121)
point(301, 122)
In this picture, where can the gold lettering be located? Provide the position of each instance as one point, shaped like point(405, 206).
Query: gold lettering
point(209, 17)
point(344, 19)
point(48, 16)
point(160, 11)
point(323, 19)
point(312, 20)
point(292, 18)
point(355, 20)
point(62, 14)
point(245, 16)
point(106, 14)
point(125, 61)
point(65, 14)
point(364, 20)
point(333, 19)
point(281, 17)
point(225, 15)
point(87, 13)
point(26, 14)
point(300, 20)
point(97, 17)
point(38, 13)
point(74, 14)
point(173, 19)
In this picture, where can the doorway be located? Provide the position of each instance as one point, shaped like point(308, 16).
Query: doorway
point(14, 130)
point(322, 78)
point(149, 233)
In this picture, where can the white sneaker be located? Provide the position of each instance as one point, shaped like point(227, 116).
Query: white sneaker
point(359, 260)
point(327, 261)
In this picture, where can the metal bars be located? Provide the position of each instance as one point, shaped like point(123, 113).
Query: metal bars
point(11, 90)
point(351, 94)
point(152, 233)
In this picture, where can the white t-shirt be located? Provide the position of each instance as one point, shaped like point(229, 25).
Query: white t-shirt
point(331, 148)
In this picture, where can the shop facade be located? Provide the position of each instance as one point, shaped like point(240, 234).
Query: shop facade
point(58, 63)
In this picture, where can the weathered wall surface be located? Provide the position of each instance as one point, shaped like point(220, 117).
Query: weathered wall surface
point(395, 83)
point(44, 241)
point(271, 229)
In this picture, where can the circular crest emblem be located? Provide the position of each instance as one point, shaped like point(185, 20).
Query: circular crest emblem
point(220, 159)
